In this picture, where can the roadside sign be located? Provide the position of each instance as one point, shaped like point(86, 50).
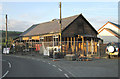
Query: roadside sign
point(98, 44)
point(13, 45)
point(6, 50)
point(46, 51)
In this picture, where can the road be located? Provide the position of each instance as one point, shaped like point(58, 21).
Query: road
point(23, 67)
point(37, 67)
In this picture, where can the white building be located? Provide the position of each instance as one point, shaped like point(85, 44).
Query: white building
point(110, 32)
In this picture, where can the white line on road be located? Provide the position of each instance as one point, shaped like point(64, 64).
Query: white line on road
point(67, 71)
point(59, 69)
point(54, 65)
point(37, 59)
point(33, 58)
point(48, 63)
point(9, 64)
point(66, 75)
point(4, 74)
point(16, 56)
point(7, 70)
point(43, 61)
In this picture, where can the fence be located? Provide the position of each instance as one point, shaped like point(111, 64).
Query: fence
point(68, 47)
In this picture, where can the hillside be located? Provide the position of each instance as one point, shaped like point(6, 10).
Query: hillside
point(11, 34)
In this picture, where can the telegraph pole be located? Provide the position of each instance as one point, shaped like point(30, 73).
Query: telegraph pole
point(6, 34)
point(60, 28)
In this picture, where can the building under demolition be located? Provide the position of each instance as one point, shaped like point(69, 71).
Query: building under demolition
point(78, 37)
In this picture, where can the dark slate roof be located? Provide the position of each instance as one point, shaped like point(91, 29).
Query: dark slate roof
point(49, 27)
point(115, 24)
point(113, 32)
point(29, 29)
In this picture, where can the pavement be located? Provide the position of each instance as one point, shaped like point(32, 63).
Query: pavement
point(95, 68)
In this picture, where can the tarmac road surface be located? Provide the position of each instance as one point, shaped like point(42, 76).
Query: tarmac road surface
point(37, 67)
point(23, 67)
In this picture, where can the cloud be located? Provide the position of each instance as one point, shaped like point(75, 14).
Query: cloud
point(98, 22)
point(58, 0)
point(0, 8)
point(17, 25)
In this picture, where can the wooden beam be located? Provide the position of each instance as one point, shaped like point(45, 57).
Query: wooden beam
point(82, 44)
point(71, 42)
point(77, 44)
point(74, 45)
point(51, 34)
point(67, 44)
point(91, 46)
point(35, 37)
point(63, 45)
point(25, 38)
point(58, 44)
point(87, 48)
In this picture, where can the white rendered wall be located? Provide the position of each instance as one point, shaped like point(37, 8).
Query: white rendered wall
point(107, 37)
point(112, 27)
point(105, 33)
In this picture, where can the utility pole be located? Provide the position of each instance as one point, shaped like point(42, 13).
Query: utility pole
point(6, 34)
point(6, 31)
point(60, 28)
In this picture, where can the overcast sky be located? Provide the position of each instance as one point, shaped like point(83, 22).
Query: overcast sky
point(21, 15)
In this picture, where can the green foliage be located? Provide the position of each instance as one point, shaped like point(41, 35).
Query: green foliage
point(11, 35)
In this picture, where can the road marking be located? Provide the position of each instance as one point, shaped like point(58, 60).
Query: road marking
point(67, 71)
point(33, 58)
point(48, 63)
point(5, 74)
point(66, 75)
point(59, 69)
point(9, 64)
point(54, 65)
point(7, 70)
point(43, 61)
point(16, 56)
point(37, 59)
